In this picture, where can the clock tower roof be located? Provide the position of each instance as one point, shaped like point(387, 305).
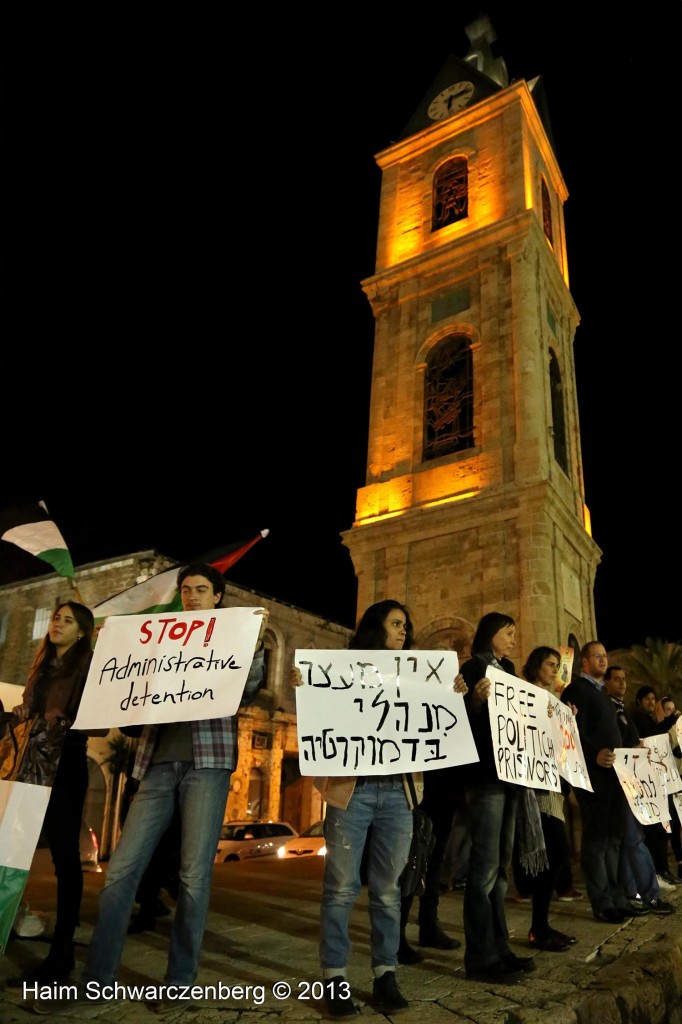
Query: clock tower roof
point(453, 71)
point(464, 81)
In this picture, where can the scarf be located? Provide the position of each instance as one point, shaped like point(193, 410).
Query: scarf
point(529, 836)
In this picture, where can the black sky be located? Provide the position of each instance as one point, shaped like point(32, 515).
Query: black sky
point(188, 207)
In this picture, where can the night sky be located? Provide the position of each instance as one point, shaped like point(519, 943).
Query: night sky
point(188, 207)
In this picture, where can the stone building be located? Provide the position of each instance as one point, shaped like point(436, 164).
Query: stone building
point(266, 782)
point(474, 498)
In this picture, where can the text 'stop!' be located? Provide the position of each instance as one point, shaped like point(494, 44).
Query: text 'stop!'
point(169, 667)
point(380, 712)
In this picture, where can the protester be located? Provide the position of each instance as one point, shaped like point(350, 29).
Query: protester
point(354, 803)
point(603, 811)
point(636, 870)
point(492, 806)
point(183, 764)
point(56, 756)
point(649, 719)
point(542, 668)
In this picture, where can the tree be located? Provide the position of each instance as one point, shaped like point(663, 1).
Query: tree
point(659, 664)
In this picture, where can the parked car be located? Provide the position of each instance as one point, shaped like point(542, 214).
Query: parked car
point(310, 843)
point(242, 840)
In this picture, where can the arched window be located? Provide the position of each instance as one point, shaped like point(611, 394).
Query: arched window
point(450, 193)
point(449, 398)
point(546, 212)
point(558, 417)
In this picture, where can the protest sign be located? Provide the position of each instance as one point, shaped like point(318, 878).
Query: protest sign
point(523, 736)
point(565, 668)
point(662, 754)
point(169, 667)
point(643, 785)
point(380, 712)
point(569, 750)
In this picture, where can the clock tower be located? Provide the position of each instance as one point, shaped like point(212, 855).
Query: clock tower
point(474, 496)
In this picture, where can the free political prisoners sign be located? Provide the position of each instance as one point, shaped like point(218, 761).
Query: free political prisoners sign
point(169, 667)
point(380, 712)
point(533, 748)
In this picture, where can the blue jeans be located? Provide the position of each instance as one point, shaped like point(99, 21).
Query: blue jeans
point(492, 820)
point(383, 805)
point(636, 871)
point(201, 794)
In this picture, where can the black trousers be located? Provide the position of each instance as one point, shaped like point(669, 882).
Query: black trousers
point(540, 887)
point(61, 828)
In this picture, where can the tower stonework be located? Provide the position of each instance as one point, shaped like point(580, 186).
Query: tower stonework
point(474, 497)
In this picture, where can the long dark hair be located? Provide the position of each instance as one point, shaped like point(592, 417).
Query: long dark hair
point(76, 656)
point(371, 635)
point(489, 625)
point(531, 670)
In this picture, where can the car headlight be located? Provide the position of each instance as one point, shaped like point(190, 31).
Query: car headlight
point(281, 852)
point(322, 851)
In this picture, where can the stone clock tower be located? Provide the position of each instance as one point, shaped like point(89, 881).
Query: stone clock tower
point(474, 499)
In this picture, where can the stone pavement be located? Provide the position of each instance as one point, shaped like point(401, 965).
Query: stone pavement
point(261, 944)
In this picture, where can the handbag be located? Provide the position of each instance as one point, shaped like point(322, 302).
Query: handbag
point(412, 880)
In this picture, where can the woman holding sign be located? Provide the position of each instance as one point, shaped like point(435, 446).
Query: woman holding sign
point(542, 668)
point(56, 756)
point(355, 803)
point(492, 807)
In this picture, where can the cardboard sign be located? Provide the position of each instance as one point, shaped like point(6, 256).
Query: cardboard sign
point(380, 712)
point(643, 785)
point(662, 754)
point(523, 734)
point(569, 749)
point(169, 667)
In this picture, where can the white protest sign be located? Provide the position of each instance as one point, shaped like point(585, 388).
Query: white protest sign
point(380, 712)
point(569, 749)
point(662, 754)
point(642, 784)
point(169, 667)
point(523, 737)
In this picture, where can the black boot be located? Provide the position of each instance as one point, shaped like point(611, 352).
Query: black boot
point(434, 937)
point(407, 954)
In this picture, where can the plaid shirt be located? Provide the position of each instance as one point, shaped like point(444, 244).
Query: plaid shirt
point(214, 740)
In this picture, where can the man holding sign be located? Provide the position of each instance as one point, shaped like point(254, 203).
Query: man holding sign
point(603, 812)
point(183, 764)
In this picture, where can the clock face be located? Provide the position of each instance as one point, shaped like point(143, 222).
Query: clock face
point(450, 100)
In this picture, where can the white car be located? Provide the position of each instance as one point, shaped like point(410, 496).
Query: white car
point(242, 840)
point(310, 843)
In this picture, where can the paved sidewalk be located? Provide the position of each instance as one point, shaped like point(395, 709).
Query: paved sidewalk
point(261, 947)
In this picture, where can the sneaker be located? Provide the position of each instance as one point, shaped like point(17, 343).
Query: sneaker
point(165, 1003)
point(670, 878)
point(570, 895)
point(387, 996)
point(338, 998)
point(659, 906)
point(664, 884)
point(522, 899)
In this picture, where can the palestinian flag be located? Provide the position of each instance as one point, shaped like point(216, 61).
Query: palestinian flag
point(160, 593)
point(22, 809)
point(31, 527)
